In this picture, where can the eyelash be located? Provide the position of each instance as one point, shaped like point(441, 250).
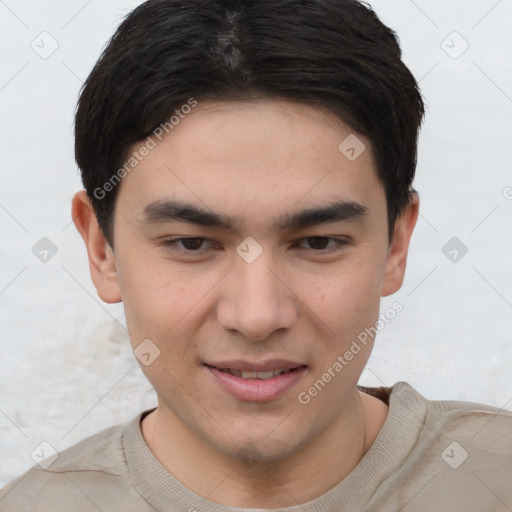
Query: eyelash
point(172, 244)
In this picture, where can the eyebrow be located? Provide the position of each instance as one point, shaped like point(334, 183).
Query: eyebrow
point(170, 210)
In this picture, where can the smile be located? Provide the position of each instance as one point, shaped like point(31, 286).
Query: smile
point(263, 385)
point(256, 375)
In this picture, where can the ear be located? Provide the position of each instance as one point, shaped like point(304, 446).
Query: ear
point(102, 263)
point(399, 247)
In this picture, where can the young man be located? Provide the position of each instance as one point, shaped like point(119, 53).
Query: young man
point(248, 170)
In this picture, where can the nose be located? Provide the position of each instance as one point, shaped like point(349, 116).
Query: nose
point(256, 300)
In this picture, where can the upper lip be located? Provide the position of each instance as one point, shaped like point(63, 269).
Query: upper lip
point(262, 366)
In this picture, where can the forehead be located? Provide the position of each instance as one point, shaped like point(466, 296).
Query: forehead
point(257, 154)
point(282, 126)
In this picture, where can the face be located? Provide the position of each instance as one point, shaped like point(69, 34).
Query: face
point(246, 240)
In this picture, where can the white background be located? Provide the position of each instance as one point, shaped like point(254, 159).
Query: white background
point(66, 367)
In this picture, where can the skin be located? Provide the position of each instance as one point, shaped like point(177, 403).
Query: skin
point(253, 161)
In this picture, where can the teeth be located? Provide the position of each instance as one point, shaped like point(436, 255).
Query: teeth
point(258, 375)
point(255, 375)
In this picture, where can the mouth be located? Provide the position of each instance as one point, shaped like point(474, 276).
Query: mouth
point(264, 375)
point(257, 382)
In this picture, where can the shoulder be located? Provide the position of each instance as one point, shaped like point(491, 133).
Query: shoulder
point(462, 453)
point(444, 412)
point(89, 475)
point(480, 426)
point(483, 424)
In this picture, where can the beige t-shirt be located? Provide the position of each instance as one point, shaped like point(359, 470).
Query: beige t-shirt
point(429, 456)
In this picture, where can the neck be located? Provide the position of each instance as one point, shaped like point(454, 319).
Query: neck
point(236, 482)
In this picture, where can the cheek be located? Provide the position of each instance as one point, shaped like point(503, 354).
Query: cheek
point(165, 303)
point(346, 299)
point(154, 297)
point(156, 306)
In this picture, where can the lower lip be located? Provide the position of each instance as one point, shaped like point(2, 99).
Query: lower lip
point(257, 390)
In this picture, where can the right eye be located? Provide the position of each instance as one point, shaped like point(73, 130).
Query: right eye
point(185, 244)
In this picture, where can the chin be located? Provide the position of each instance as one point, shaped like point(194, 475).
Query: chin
point(252, 451)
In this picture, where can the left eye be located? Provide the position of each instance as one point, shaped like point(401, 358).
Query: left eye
point(321, 243)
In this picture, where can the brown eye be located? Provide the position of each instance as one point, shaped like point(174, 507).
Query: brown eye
point(318, 242)
point(192, 244)
point(189, 244)
point(322, 244)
